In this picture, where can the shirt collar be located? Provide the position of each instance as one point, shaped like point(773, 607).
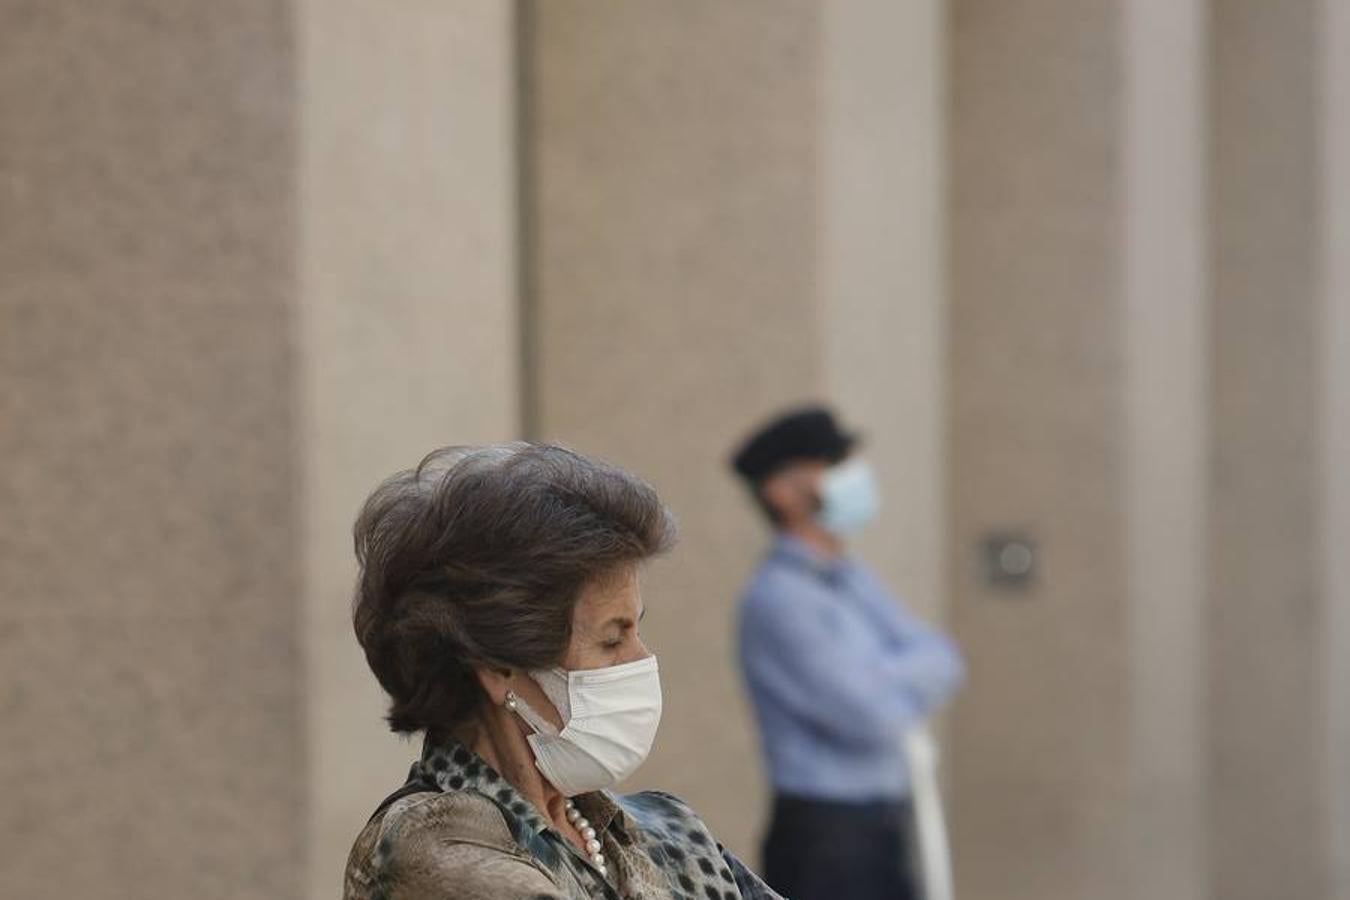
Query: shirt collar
point(797, 552)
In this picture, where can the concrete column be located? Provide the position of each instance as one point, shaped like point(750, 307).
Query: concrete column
point(408, 327)
point(882, 270)
point(149, 563)
point(673, 208)
point(1165, 338)
point(1335, 431)
point(1266, 797)
point(1040, 734)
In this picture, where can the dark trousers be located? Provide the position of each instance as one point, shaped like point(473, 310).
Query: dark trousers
point(822, 850)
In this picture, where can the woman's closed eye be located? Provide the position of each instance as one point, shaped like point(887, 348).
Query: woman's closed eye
point(622, 630)
point(615, 641)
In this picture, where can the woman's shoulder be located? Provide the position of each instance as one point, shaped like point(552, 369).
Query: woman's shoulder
point(680, 843)
point(668, 822)
point(657, 804)
point(431, 841)
point(413, 824)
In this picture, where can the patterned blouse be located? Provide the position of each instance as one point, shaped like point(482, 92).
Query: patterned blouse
point(458, 831)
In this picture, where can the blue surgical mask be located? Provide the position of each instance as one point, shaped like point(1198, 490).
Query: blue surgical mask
point(849, 498)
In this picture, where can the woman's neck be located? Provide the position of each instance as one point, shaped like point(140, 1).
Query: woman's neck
point(495, 735)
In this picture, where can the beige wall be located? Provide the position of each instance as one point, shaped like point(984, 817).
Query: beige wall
point(881, 271)
point(1164, 336)
point(149, 664)
point(407, 329)
point(233, 302)
point(1178, 667)
point(1334, 269)
point(1265, 607)
point(1039, 734)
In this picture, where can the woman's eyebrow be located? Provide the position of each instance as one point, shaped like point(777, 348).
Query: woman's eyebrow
point(624, 621)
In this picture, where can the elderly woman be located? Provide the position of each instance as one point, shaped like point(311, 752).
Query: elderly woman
point(498, 606)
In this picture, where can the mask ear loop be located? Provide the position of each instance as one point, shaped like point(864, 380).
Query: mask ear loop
point(538, 724)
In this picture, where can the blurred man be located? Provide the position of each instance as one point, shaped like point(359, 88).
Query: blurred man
point(837, 670)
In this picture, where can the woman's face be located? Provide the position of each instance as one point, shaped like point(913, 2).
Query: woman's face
point(604, 633)
point(605, 624)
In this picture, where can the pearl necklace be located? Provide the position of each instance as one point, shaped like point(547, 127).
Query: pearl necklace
point(582, 825)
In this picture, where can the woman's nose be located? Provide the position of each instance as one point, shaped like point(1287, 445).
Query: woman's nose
point(639, 651)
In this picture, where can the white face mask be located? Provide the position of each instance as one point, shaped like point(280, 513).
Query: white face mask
point(609, 718)
point(849, 498)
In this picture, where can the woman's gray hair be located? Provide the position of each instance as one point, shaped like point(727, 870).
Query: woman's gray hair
point(476, 558)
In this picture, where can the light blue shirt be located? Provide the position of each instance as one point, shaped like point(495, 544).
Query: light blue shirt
point(837, 671)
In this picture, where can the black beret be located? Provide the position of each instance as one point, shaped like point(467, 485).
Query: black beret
point(807, 433)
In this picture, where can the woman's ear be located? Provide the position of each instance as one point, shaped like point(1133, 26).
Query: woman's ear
point(495, 683)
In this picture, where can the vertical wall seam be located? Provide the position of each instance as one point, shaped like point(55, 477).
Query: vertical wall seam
point(1334, 266)
point(526, 201)
point(1165, 439)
